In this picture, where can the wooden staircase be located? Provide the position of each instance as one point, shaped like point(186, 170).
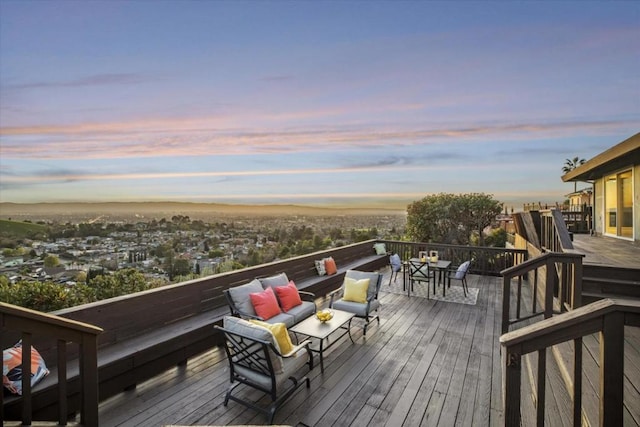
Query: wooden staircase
point(603, 281)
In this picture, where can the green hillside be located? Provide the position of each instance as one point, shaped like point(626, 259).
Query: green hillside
point(20, 230)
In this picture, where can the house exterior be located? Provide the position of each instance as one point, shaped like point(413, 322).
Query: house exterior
point(579, 199)
point(615, 175)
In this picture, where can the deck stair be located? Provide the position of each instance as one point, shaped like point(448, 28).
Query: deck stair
point(559, 383)
point(559, 380)
point(604, 281)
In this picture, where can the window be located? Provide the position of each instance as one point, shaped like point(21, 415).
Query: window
point(618, 191)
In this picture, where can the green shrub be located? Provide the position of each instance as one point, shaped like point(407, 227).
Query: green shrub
point(45, 296)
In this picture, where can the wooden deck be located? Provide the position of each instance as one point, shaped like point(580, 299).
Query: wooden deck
point(427, 363)
point(607, 250)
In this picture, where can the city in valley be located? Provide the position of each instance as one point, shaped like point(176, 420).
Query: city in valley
point(173, 241)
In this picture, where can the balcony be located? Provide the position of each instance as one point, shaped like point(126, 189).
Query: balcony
point(428, 362)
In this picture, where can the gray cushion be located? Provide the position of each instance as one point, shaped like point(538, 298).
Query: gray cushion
point(396, 263)
point(241, 298)
point(302, 311)
point(462, 270)
point(359, 309)
point(290, 368)
point(273, 281)
point(373, 280)
point(286, 318)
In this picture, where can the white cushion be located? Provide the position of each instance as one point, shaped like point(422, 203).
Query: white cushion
point(380, 248)
point(320, 267)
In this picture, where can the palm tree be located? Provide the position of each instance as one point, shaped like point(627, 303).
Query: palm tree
point(571, 164)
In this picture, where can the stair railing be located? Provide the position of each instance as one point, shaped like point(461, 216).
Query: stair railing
point(607, 317)
point(554, 234)
point(561, 277)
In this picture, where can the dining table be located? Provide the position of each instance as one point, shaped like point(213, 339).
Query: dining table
point(440, 266)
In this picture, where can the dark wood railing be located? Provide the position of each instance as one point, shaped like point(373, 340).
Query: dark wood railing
point(488, 261)
point(28, 323)
point(554, 235)
point(555, 278)
point(608, 318)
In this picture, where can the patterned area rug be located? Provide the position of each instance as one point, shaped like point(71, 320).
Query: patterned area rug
point(453, 294)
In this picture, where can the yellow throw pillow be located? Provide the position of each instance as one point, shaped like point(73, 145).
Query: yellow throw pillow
point(355, 290)
point(280, 333)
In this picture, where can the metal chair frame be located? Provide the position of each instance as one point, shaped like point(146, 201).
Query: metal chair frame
point(254, 355)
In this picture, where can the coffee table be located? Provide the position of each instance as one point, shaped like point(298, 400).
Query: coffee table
point(314, 328)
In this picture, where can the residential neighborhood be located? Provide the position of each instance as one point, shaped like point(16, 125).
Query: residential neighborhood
point(190, 247)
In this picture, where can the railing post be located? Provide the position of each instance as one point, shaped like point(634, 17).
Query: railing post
point(511, 384)
point(541, 387)
point(577, 283)
point(89, 380)
point(506, 303)
point(612, 369)
point(548, 288)
point(26, 379)
point(577, 382)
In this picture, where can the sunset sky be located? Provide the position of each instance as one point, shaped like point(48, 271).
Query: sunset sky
point(328, 102)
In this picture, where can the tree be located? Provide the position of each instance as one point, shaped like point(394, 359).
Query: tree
point(476, 211)
point(571, 164)
point(451, 218)
point(181, 267)
point(51, 261)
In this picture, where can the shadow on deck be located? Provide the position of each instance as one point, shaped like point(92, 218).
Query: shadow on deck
point(427, 363)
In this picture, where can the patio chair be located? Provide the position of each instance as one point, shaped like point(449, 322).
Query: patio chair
point(396, 265)
point(366, 305)
point(459, 273)
point(255, 360)
point(419, 271)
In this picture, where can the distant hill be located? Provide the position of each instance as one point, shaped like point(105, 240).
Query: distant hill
point(19, 230)
point(149, 210)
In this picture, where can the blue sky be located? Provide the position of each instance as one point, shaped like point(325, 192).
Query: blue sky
point(330, 102)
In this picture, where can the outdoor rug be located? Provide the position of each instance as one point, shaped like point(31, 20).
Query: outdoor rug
point(454, 293)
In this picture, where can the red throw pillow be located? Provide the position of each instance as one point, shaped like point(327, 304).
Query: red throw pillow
point(265, 303)
point(330, 266)
point(288, 296)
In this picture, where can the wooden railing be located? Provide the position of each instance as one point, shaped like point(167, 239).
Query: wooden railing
point(554, 235)
point(608, 318)
point(26, 323)
point(550, 276)
point(488, 261)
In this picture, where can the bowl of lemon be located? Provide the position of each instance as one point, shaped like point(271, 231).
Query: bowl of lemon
point(324, 315)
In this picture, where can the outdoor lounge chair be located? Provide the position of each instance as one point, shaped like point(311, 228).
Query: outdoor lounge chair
point(255, 361)
point(366, 309)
